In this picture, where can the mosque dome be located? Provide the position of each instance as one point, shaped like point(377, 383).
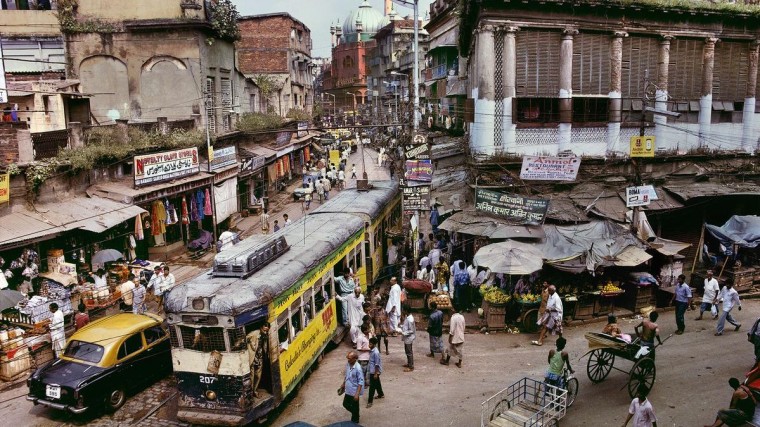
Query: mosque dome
point(372, 21)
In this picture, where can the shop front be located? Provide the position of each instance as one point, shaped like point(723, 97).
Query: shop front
point(225, 167)
point(177, 196)
point(253, 182)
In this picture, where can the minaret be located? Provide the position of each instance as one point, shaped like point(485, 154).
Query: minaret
point(332, 35)
point(338, 33)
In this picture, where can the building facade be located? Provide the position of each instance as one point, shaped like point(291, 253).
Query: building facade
point(556, 77)
point(275, 53)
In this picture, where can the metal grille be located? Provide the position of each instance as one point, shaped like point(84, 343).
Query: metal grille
point(48, 144)
point(211, 104)
point(173, 337)
point(237, 338)
point(206, 339)
point(498, 119)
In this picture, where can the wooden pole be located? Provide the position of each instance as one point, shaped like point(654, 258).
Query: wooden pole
point(699, 249)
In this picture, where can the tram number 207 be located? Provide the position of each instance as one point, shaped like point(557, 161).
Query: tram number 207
point(207, 380)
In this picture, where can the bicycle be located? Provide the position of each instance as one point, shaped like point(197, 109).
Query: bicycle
point(569, 383)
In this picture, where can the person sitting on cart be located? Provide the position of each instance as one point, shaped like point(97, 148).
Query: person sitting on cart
point(557, 360)
point(613, 329)
point(742, 407)
point(649, 331)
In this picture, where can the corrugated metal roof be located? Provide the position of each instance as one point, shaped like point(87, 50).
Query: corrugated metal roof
point(694, 190)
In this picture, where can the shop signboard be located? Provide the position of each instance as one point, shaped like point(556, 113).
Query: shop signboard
point(224, 157)
point(639, 196)
point(419, 170)
point(303, 129)
point(417, 152)
point(165, 166)
point(642, 146)
point(416, 198)
point(545, 168)
point(511, 206)
point(283, 138)
point(5, 187)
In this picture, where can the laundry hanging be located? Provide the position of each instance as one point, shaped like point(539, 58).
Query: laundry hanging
point(139, 234)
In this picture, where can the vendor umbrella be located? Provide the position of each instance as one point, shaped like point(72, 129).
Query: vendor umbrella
point(9, 298)
point(510, 257)
point(100, 258)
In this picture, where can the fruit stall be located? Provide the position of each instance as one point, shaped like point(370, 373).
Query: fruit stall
point(494, 306)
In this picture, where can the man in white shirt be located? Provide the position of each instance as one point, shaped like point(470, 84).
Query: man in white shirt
point(641, 410)
point(393, 307)
point(154, 284)
point(456, 337)
point(709, 295)
point(126, 289)
point(285, 220)
point(57, 334)
point(552, 318)
point(730, 298)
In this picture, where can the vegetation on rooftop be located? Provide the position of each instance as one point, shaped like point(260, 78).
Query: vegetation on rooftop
point(224, 17)
point(70, 23)
point(253, 122)
point(299, 115)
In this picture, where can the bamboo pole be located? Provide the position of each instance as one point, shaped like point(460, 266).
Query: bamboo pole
point(699, 249)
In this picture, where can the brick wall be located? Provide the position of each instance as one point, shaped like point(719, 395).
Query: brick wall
point(11, 134)
point(265, 42)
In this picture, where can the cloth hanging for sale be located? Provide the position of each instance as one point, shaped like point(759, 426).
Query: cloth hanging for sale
point(200, 202)
point(185, 217)
point(159, 218)
point(207, 206)
point(139, 234)
point(193, 210)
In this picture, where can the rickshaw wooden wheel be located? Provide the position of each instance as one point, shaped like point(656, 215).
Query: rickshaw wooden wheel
point(643, 373)
point(529, 320)
point(599, 365)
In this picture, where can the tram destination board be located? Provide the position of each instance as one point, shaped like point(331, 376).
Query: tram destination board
point(416, 198)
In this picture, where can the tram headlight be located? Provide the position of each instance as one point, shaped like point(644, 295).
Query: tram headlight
point(199, 304)
point(210, 395)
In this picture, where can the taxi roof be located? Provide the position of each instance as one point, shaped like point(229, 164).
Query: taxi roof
point(110, 329)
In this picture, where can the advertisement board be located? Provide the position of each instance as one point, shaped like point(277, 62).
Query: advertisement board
point(638, 196)
point(166, 166)
point(419, 170)
point(303, 129)
point(642, 146)
point(224, 157)
point(544, 168)
point(416, 198)
point(5, 187)
point(510, 206)
point(417, 152)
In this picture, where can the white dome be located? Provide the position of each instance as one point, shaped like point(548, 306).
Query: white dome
point(371, 19)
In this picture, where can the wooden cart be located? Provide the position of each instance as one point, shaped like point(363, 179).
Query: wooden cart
point(606, 348)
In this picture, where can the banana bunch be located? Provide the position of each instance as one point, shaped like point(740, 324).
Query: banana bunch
point(484, 289)
point(496, 296)
point(530, 298)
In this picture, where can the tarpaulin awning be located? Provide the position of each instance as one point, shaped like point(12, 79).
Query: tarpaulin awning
point(667, 247)
point(476, 224)
point(247, 150)
point(64, 279)
point(50, 219)
point(742, 230)
point(631, 256)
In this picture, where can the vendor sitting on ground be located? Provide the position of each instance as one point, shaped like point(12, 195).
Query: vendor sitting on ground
point(613, 329)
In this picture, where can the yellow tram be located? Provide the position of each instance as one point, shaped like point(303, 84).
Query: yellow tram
point(285, 279)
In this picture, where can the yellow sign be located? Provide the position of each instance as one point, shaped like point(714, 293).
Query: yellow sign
point(296, 359)
point(210, 153)
point(5, 188)
point(335, 158)
point(642, 146)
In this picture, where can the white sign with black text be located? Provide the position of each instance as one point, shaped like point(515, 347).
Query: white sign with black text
point(545, 168)
point(639, 196)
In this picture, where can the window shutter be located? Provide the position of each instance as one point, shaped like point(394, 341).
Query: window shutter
point(211, 104)
point(226, 98)
point(537, 62)
point(639, 55)
point(685, 69)
point(591, 64)
point(730, 71)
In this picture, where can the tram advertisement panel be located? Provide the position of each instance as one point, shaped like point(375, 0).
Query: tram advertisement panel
point(299, 355)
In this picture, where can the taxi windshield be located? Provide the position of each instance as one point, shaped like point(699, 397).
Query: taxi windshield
point(84, 351)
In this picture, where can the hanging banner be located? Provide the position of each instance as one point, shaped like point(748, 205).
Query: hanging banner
point(510, 206)
point(5, 187)
point(419, 170)
point(416, 198)
point(223, 157)
point(638, 196)
point(543, 168)
point(166, 166)
point(642, 146)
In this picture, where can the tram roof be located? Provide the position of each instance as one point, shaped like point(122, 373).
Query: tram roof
point(370, 203)
point(231, 295)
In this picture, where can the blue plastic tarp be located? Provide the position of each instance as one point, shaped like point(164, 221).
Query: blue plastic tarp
point(743, 230)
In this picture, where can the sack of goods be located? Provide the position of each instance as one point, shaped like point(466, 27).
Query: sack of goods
point(415, 286)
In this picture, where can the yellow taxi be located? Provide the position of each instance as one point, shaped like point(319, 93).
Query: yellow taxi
point(102, 362)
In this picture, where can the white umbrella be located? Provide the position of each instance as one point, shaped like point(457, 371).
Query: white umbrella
point(100, 258)
point(510, 257)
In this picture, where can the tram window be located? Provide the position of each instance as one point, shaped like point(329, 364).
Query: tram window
point(173, 337)
point(203, 339)
point(328, 289)
point(237, 338)
point(282, 337)
point(359, 257)
point(319, 297)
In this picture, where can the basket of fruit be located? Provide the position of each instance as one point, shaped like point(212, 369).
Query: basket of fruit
point(528, 299)
point(442, 300)
point(495, 296)
point(611, 290)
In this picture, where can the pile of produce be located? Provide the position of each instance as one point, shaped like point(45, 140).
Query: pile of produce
point(494, 295)
point(610, 288)
point(443, 301)
point(528, 298)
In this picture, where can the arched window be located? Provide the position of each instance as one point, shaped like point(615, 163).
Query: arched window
point(348, 62)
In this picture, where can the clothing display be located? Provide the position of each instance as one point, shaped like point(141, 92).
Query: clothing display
point(139, 234)
point(185, 215)
point(207, 206)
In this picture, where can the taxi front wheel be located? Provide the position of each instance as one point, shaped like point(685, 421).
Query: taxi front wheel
point(115, 399)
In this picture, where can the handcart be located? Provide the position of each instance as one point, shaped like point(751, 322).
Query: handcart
point(605, 348)
point(527, 402)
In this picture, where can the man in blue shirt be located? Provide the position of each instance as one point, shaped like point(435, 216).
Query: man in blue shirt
point(461, 281)
point(352, 386)
point(375, 369)
point(682, 299)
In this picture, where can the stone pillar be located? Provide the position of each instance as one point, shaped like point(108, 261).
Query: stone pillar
point(566, 89)
point(122, 126)
point(509, 73)
point(76, 135)
point(163, 125)
point(705, 100)
point(749, 143)
point(482, 137)
point(615, 95)
point(197, 121)
point(661, 91)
